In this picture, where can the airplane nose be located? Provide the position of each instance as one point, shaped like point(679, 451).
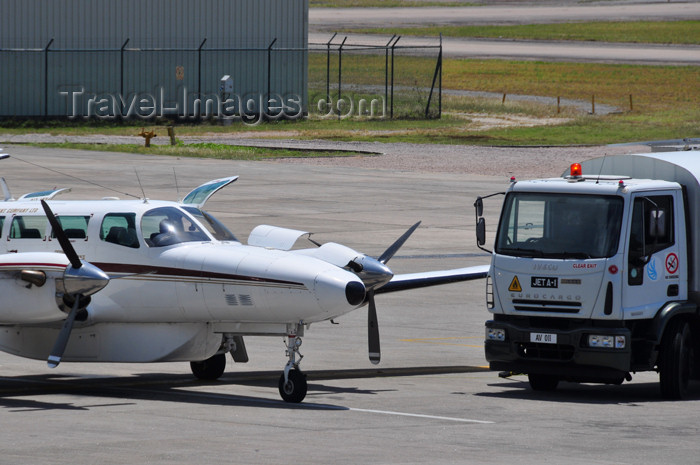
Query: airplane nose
point(355, 292)
point(337, 290)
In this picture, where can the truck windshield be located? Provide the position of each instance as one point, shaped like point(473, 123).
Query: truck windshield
point(549, 225)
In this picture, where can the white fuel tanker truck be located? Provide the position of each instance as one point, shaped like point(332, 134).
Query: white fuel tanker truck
point(596, 275)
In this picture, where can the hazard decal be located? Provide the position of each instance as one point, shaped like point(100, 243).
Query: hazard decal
point(515, 285)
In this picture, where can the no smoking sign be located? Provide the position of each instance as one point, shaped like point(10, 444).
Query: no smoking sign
point(672, 263)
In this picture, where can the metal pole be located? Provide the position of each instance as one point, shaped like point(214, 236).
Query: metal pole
point(340, 71)
point(199, 68)
point(391, 111)
point(121, 78)
point(438, 66)
point(440, 82)
point(386, 71)
point(328, 72)
point(46, 78)
point(269, 68)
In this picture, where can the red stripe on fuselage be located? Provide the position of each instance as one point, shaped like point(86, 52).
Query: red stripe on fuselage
point(128, 268)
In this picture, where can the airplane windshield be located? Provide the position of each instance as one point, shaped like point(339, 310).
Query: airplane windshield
point(216, 228)
point(168, 226)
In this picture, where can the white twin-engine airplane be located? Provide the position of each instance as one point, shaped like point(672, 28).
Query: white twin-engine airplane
point(160, 281)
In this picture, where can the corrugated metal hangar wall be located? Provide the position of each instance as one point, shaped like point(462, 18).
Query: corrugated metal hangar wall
point(141, 58)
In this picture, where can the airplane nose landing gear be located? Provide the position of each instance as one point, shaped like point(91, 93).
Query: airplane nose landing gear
point(292, 383)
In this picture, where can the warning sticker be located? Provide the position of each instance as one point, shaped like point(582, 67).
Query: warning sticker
point(671, 263)
point(515, 285)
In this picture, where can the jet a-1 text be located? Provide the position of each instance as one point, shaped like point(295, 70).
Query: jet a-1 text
point(155, 281)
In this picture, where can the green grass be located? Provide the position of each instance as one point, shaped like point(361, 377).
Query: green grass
point(656, 32)
point(666, 103)
point(203, 150)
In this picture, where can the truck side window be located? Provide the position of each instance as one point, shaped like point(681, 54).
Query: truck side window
point(651, 231)
point(120, 229)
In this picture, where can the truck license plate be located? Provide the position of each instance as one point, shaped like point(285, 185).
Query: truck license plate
point(543, 338)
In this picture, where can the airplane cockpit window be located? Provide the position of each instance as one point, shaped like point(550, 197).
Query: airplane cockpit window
point(75, 227)
point(28, 227)
point(120, 229)
point(215, 227)
point(167, 226)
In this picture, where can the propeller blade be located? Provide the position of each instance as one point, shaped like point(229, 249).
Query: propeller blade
point(386, 256)
point(63, 240)
point(373, 331)
point(60, 345)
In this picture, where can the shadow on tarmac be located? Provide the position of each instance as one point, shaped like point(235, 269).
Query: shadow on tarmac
point(183, 388)
point(598, 394)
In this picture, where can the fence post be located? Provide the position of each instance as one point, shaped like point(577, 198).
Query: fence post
point(391, 111)
point(340, 72)
point(199, 69)
point(46, 78)
point(121, 77)
point(328, 73)
point(269, 72)
point(438, 67)
point(386, 72)
point(440, 82)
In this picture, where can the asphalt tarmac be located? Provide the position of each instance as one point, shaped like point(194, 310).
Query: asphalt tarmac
point(323, 22)
point(429, 401)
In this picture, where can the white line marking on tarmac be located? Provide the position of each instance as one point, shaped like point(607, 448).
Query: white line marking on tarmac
point(417, 415)
point(321, 406)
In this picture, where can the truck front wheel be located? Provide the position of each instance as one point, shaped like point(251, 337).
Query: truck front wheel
point(675, 359)
point(539, 382)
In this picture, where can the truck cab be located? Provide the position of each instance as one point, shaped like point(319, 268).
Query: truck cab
point(591, 278)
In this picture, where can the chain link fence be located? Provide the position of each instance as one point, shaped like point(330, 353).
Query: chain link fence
point(332, 80)
point(375, 80)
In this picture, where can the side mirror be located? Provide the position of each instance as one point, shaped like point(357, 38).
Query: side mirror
point(481, 232)
point(479, 206)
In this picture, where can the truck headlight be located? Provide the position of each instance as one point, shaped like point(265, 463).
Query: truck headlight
point(606, 341)
point(495, 334)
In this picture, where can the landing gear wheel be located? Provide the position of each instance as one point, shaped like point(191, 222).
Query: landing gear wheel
point(675, 360)
point(294, 390)
point(209, 369)
point(539, 382)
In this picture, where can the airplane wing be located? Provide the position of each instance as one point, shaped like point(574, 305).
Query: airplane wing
point(402, 282)
point(199, 195)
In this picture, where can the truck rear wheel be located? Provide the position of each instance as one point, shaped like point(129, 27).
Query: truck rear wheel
point(539, 382)
point(675, 360)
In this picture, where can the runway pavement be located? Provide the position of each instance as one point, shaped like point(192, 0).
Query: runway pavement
point(524, 13)
point(324, 21)
point(506, 49)
point(430, 400)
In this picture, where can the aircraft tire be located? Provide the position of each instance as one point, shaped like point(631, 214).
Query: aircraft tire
point(294, 390)
point(209, 369)
point(675, 359)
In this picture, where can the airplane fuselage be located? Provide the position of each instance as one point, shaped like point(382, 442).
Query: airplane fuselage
point(183, 282)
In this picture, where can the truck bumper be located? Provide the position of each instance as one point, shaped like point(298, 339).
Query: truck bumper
point(571, 358)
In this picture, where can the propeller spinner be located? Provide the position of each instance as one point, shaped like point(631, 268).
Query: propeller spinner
point(80, 280)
